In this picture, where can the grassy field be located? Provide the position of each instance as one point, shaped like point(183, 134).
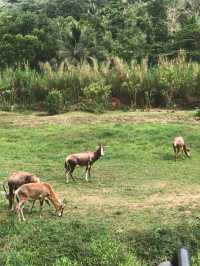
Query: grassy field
point(139, 206)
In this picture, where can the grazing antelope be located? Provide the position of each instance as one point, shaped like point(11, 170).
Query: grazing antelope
point(16, 180)
point(36, 191)
point(179, 145)
point(84, 159)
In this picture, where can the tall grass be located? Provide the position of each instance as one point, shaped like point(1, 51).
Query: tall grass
point(170, 83)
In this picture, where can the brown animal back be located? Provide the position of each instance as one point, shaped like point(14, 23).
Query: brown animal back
point(33, 190)
point(80, 158)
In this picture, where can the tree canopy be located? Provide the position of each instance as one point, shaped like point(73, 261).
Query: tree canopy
point(36, 31)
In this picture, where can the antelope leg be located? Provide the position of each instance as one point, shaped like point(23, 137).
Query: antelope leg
point(67, 177)
point(32, 206)
point(21, 209)
point(72, 177)
point(41, 205)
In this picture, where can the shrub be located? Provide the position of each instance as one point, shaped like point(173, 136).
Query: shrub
point(197, 113)
point(171, 82)
point(98, 91)
point(54, 102)
point(196, 260)
point(97, 96)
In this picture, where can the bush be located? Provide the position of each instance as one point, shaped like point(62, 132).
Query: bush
point(98, 91)
point(171, 82)
point(54, 102)
point(197, 113)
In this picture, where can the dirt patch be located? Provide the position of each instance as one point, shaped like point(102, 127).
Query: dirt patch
point(175, 200)
point(71, 118)
point(111, 202)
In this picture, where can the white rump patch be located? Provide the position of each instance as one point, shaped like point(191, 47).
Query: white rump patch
point(102, 151)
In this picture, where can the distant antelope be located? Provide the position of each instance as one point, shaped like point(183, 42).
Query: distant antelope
point(84, 159)
point(179, 145)
point(36, 191)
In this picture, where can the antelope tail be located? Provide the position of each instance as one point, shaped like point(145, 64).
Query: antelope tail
point(174, 147)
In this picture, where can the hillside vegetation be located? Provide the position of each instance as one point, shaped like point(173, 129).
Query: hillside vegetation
point(55, 54)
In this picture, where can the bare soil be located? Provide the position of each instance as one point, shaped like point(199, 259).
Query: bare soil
point(155, 115)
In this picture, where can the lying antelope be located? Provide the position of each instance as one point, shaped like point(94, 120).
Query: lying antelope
point(84, 159)
point(16, 180)
point(179, 145)
point(36, 191)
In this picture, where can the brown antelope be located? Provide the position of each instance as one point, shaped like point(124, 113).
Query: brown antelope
point(179, 145)
point(36, 191)
point(16, 180)
point(84, 159)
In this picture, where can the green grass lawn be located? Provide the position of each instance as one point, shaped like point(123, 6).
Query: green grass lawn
point(139, 206)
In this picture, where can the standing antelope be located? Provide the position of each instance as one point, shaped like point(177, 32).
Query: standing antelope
point(16, 180)
point(36, 191)
point(179, 145)
point(84, 159)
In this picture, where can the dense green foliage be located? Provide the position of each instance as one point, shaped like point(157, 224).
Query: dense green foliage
point(68, 33)
point(91, 87)
point(37, 31)
point(40, 31)
point(54, 102)
point(135, 211)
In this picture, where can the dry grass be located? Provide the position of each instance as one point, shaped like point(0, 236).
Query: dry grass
point(154, 115)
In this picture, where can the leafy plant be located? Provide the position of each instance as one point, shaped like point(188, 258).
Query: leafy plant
point(54, 102)
point(98, 91)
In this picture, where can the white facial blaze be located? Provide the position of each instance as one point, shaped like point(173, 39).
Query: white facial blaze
point(102, 151)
